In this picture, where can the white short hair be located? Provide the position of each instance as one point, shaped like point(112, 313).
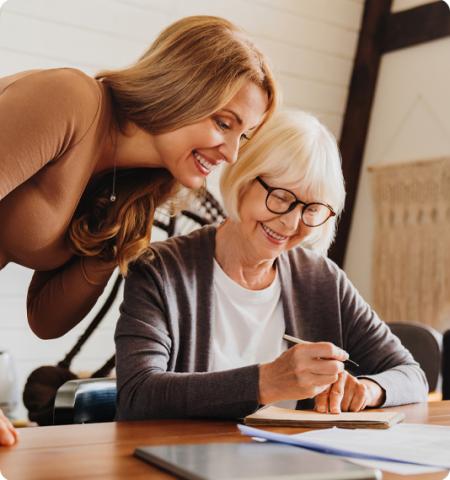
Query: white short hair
point(292, 147)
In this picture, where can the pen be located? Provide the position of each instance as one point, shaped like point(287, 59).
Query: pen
point(292, 339)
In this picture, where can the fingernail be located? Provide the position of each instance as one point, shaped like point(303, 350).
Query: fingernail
point(347, 356)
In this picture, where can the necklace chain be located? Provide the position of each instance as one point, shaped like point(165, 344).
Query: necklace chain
point(113, 196)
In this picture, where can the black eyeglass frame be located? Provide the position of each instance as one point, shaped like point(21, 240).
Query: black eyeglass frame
point(294, 204)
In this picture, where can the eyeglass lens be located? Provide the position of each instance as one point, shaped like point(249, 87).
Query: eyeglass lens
point(280, 201)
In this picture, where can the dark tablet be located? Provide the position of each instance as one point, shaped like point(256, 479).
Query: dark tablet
point(256, 460)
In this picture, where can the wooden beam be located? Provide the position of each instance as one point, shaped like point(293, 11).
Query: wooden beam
point(417, 25)
point(357, 113)
point(381, 32)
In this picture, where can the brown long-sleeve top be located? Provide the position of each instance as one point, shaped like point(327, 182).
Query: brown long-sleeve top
point(54, 125)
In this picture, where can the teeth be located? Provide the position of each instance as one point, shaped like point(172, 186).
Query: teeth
point(204, 163)
point(273, 234)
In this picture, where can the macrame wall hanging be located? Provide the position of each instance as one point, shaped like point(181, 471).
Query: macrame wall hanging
point(411, 263)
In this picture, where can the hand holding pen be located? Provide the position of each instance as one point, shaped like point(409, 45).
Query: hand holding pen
point(348, 393)
point(302, 371)
point(348, 363)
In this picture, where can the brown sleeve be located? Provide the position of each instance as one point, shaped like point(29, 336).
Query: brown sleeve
point(42, 114)
point(59, 299)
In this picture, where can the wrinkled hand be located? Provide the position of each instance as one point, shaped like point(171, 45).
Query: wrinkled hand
point(302, 371)
point(8, 434)
point(348, 394)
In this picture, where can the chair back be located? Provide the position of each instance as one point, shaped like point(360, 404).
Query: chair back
point(90, 400)
point(446, 366)
point(425, 345)
point(201, 209)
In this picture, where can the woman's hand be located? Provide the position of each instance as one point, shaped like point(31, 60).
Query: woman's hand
point(302, 371)
point(8, 434)
point(348, 394)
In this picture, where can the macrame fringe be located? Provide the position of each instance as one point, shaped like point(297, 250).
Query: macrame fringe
point(411, 263)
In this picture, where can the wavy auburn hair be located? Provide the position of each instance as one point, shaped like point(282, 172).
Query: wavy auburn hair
point(193, 68)
point(120, 230)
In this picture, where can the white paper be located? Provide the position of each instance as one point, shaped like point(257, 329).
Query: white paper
point(415, 443)
point(410, 443)
point(394, 467)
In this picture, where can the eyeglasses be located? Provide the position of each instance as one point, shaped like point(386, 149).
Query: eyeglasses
point(281, 201)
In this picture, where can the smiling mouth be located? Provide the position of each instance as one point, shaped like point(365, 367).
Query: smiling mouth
point(274, 236)
point(204, 165)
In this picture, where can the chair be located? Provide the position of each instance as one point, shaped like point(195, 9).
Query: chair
point(446, 366)
point(90, 400)
point(425, 345)
point(202, 209)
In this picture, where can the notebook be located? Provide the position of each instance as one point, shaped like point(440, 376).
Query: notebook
point(276, 416)
point(251, 461)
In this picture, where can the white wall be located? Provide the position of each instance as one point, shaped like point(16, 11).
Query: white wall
point(410, 121)
point(399, 5)
point(310, 43)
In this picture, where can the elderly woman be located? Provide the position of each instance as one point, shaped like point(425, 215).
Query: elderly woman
point(203, 318)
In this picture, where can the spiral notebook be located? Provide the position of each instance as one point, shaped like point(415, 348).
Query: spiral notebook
point(278, 417)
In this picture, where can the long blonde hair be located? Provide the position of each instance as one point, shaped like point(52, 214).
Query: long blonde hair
point(194, 67)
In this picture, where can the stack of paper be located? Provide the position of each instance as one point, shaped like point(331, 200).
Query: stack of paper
point(407, 444)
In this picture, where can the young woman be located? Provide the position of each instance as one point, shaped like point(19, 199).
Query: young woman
point(84, 162)
point(203, 336)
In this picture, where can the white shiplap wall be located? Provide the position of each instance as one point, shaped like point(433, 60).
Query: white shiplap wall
point(311, 45)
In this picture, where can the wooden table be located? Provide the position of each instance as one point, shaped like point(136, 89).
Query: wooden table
point(105, 450)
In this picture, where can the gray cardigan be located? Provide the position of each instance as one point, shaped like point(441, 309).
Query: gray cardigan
point(163, 336)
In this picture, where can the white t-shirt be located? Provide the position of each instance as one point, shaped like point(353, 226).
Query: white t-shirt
point(248, 325)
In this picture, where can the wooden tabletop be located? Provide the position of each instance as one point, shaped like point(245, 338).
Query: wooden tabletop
point(105, 450)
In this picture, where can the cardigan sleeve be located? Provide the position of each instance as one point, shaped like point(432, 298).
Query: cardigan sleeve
point(42, 113)
point(380, 354)
point(147, 387)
